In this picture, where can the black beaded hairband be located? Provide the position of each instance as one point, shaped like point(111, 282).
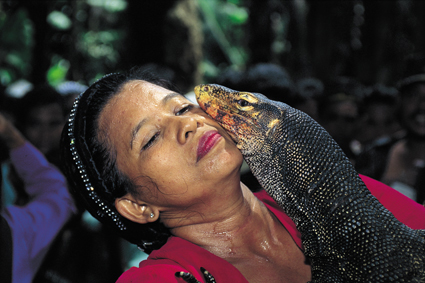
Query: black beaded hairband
point(104, 209)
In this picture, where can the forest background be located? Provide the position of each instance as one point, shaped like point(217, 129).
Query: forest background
point(56, 41)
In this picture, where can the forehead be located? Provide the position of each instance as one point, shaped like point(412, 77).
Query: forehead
point(140, 88)
point(146, 91)
point(135, 100)
point(134, 96)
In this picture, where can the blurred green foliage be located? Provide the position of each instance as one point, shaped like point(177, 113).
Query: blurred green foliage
point(108, 5)
point(225, 28)
point(16, 40)
point(86, 39)
point(87, 34)
point(59, 20)
point(101, 45)
point(96, 39)
point(58, 70)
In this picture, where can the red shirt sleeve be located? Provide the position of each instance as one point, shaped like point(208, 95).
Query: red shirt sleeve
point(152, 274)
point(181, 255)
point(403, 208)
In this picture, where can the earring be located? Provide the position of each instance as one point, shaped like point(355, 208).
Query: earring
point(152, 215)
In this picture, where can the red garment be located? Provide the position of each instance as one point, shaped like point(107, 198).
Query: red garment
point(180, 255)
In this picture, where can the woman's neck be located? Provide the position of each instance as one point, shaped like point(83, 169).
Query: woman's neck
point(238, 231)
point(252, 239)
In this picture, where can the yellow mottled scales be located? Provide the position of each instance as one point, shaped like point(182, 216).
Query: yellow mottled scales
point(273, 123)
point(347, 234)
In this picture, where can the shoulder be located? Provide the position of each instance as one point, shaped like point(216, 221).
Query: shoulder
point(158, 272)
point(162, 264)
point(180, 255)
point(403, 208)
point(264, 196)
point(25, 151)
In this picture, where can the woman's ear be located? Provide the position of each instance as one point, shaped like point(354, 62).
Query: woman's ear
point(137, 212)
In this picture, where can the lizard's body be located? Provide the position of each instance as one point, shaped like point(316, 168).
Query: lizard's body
point(346, 233)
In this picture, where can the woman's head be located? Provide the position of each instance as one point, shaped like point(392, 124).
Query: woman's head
point(90, 162)
point(133, 147)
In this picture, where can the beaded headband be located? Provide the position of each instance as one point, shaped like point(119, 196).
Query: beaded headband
point(147, 237)
point(103, 208)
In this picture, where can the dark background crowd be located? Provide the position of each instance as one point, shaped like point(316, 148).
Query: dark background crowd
point(357, 67)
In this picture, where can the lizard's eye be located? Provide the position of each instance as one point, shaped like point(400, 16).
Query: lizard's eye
point(243, 102)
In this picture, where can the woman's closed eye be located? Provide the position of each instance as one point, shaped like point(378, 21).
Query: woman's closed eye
point(184, 109)
point(151, 141)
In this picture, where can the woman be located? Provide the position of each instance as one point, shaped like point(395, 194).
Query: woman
point(165, 175)
point(406, 157)
point(28, 231)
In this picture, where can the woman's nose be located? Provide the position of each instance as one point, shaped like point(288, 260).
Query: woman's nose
point(187, 127)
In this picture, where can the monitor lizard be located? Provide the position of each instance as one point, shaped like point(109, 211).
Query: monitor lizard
point(347, 235)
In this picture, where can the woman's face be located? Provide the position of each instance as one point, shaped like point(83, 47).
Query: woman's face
point(44, 126)
point(413, 110)
point(171, 149)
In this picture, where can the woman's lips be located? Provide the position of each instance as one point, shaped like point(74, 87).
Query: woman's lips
point(206, 143)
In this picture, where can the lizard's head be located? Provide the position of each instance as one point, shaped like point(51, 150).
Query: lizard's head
point(247, 117)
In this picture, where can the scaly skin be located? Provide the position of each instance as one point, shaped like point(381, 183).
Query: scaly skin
point(346, 233)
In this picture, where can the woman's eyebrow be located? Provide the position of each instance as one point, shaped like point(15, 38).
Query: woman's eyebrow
point(170, 96)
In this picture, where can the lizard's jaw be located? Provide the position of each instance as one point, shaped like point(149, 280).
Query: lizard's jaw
point(231, 131)
point(224, 119)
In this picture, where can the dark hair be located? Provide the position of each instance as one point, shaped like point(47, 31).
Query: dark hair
point(90, 164)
